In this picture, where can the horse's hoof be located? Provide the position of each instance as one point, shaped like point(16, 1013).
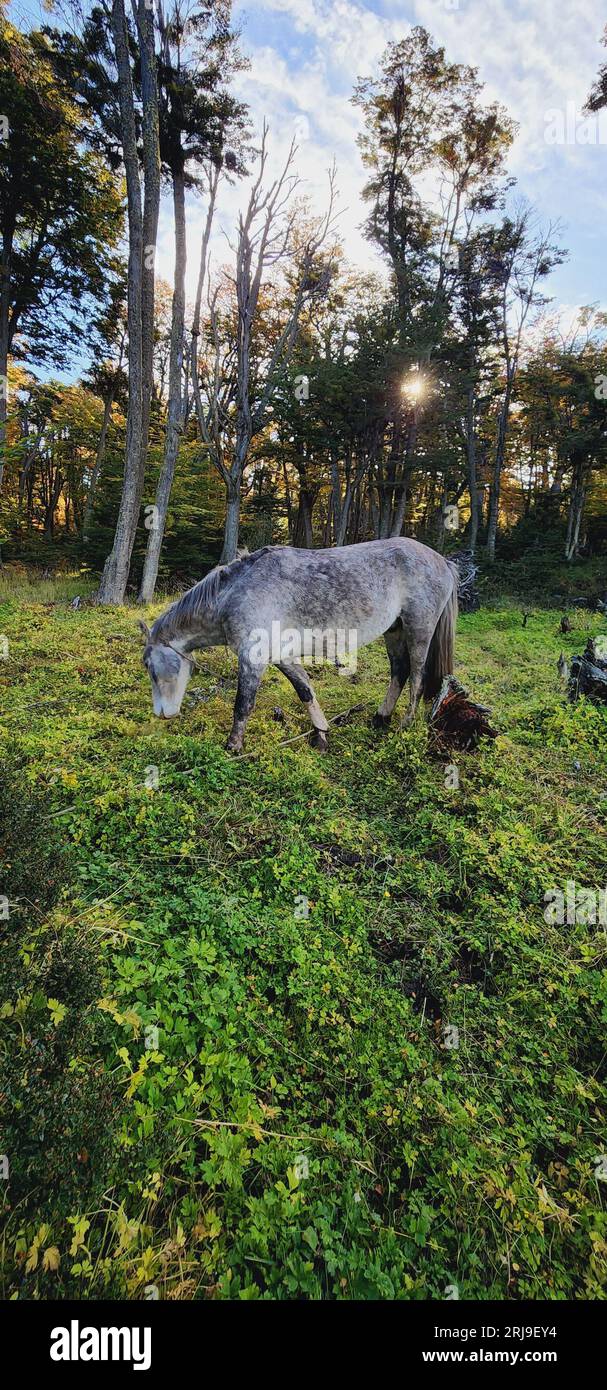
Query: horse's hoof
point(232, 747)
point(380, 721)
point(320, 741)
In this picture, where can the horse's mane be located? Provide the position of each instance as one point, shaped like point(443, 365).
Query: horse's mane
point(202, 598)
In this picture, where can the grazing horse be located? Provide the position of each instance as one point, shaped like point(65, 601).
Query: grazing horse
point(267, 605)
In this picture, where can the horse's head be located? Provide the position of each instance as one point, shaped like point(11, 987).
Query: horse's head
point(169, 673)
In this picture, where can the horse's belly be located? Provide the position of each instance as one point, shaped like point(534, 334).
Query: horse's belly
point(372, 628)
point(342, 626)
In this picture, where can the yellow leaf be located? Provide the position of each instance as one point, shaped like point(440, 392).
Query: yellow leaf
point(133, 1020)
point(81, 1227)
point(109, 1006)
point(51, 1258)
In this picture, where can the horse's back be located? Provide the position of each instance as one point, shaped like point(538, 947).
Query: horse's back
point(365, 586)
point(399, 561)
point(393, 550)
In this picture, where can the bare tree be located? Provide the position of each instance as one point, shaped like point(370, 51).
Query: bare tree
point(233, 396)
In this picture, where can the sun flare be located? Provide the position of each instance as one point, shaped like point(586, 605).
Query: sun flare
point(414, 386)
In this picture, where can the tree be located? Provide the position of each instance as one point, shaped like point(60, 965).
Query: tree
point(60, 214)
point(143, 228)
point(563, 390)
point(199, 121)
point(234, 395)
point(476, 303)
point(107, 379)
point(56, 429)
point(435, 157)
point(598, 96)
point(524, 255)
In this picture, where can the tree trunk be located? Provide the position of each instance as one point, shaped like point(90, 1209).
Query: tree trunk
point(116, 568)
point(142, 242)
point(576, 511)
point(344, 518)
point(232, 522)
point(303, 534)
point(288, 502)
point(384, 497)
point(500, 452)
point(55, 486)
point(99, 457)
point(151, 209)
point(400, 507)
point(472, 473)
point(3, 371)
point(26, 468)
point(5, 332)
point(335, 503)
point(176, 403)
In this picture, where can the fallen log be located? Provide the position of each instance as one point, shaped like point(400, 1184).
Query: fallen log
point(589, 675)
point(456, 721)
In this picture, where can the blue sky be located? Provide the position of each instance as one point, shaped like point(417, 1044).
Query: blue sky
point(539, 61)
point(534, 58)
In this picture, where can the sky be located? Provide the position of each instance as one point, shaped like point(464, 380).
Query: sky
point(538, 61)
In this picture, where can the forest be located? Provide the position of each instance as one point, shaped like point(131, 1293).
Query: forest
point(297, 399)
point(287, 1027)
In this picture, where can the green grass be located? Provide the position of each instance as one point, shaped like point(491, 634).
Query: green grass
point(297, 1126)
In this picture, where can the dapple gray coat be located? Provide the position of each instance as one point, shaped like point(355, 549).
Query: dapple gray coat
point(398, 588)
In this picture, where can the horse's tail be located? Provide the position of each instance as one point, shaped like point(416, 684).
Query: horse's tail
point(439, 661)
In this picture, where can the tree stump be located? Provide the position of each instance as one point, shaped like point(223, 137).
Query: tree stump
point(456, 721)
point(589, 675)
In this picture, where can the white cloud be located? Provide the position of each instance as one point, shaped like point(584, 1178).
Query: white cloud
point(306, 55)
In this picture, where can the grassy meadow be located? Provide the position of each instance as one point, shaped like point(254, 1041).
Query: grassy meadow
point(292, 1026)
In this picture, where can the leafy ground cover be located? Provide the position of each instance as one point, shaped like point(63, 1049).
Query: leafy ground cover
point(294, 1026)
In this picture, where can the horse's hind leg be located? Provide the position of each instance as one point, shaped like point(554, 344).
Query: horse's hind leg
point(249, 679)
point(303, 687)
point(418, 652)
point(398, 653)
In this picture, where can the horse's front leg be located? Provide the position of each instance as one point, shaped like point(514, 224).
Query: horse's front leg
point(249, 679)
point(303, 687)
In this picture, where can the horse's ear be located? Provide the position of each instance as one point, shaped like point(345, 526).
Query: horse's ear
point(143, 627)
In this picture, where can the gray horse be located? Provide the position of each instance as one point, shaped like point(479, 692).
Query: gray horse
point(279, 602)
